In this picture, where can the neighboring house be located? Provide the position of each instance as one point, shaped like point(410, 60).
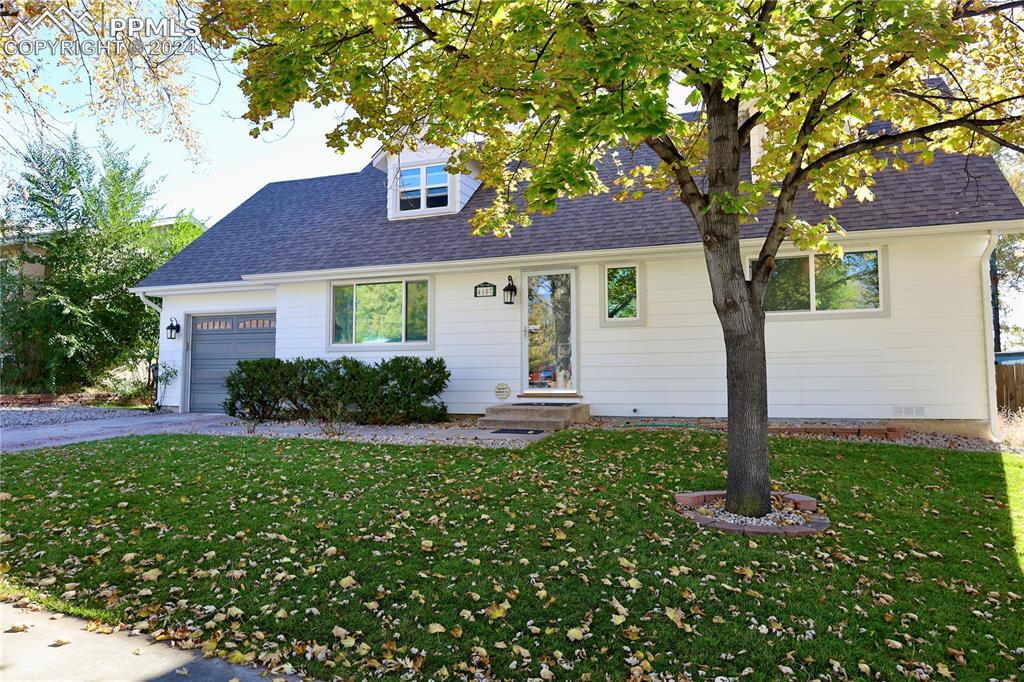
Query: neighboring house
point(613, 306)
point(14, 250)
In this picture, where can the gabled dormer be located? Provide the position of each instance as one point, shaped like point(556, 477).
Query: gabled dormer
point(419, 186)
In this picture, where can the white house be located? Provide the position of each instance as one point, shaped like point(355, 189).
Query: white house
point(613, 305)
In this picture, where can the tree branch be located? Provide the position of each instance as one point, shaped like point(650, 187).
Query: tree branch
point(413, 15)
point(891, 139)
point(693, 197)
point(976, 8)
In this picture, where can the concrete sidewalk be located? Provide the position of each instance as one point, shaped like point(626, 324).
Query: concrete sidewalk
point(31, 654)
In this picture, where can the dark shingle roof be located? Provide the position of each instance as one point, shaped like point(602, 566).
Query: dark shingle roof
point(340, 221)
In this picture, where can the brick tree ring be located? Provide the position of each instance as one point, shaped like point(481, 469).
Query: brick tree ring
point(792, 514)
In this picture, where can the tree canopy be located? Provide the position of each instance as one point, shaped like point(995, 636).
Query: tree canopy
point(78, 233)
point(537, 93)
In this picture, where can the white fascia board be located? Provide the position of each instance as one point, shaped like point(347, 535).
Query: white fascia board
point(648, 252)
point(200, 288)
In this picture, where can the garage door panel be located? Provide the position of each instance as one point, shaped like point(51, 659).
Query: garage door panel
point(256, 348)
point(217, 344)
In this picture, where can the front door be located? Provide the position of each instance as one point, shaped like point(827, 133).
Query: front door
point(550, 332)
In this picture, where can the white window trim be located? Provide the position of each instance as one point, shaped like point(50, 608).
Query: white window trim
point(396, 192)
point(883, 309)
point(641, 296)
point(378, 347)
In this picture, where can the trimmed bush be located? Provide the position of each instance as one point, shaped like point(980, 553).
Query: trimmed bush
point(410, 390)
point(256, 390)
point(302, 385)
point(400, 390)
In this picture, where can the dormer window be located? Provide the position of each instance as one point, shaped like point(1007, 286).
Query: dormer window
point(422, 188)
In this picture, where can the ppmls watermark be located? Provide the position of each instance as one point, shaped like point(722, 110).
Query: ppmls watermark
point(78, 34)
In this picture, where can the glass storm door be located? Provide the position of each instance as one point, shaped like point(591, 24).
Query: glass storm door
point(550, 333)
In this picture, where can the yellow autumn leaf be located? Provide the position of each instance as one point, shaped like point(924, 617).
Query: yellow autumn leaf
point(435, 628)
point(496, 611)
point(347, 582)
point(575, 635)
point(151, 575)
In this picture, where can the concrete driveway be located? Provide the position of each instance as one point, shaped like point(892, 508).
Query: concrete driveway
point(118, 423)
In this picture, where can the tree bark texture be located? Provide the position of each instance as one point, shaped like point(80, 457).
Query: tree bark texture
point(738, 304)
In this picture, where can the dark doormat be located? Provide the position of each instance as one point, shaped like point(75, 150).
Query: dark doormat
point(543, 404)
point(529, 432)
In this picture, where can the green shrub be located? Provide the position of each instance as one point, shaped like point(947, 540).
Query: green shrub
point(399, 390)
point(409, 390)
point(256, 390)
point(330, 392)
point(301, 384)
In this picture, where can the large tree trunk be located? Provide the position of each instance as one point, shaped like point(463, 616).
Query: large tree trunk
point(738, 305)
point(748, 484)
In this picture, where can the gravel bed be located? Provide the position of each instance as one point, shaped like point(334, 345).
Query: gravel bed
point(459, 432)
point(918, 438)
point(45, 415)
point(779, 517)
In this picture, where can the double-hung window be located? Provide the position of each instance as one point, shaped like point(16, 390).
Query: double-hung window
point(422, 188)
point(822, 283)
point(381, 312)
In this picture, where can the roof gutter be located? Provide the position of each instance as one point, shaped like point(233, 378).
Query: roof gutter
point(989, 332)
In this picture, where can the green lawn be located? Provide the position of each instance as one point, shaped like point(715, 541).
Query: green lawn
point(556, 561)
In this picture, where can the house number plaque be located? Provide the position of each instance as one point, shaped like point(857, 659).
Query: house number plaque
point(485, 290)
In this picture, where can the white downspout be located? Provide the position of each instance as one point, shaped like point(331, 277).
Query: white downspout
point(149, 303)
point(990, 352)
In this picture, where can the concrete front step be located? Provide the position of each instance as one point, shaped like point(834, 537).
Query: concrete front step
point(576, 412)
point(543, 417)
point(536, 424)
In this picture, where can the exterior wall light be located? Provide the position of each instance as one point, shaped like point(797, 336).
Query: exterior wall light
point(173, 328)
point(509, 291)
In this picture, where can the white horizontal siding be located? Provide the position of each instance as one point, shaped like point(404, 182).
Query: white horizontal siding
point(926, 357)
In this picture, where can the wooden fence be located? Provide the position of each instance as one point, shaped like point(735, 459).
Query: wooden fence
point(1010, 387)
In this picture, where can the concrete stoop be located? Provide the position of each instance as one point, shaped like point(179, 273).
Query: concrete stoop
point(535, 416)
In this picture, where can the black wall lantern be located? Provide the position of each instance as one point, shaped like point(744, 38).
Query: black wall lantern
point(173, 328)
point(510, 291)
